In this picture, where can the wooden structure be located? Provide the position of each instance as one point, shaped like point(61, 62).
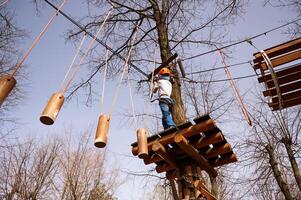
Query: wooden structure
point(280, 69)
point(189, 149)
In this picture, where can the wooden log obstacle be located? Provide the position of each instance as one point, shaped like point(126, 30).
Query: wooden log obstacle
point(283, 85)
point(201, 144)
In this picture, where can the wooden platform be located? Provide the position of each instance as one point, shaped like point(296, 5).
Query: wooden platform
point(287, 91)
point(201, 142)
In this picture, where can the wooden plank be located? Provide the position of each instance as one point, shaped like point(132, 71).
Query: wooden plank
point(182, 142)
point(225, 160)
point(164, 154)
point(205, 141)
point(280, 60)
point(293, 69)
point(164, 168)
point(203, 189)
point(279, 49)
point(219, 150)
point(187, 132)
point(198, 144)
point(287, 104)
point(286, 97)
point(284, 89)
point(285, 79)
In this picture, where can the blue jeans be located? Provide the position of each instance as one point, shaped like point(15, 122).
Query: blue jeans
point(167, 121)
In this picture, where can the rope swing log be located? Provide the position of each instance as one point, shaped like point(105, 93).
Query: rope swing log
point(56, 101)
point(8, 82)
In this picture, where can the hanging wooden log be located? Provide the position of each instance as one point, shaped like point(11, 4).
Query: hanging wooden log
point(194, 154)
point(142, 143)
point(101, 137)
point(52, 108)
point(7, 83)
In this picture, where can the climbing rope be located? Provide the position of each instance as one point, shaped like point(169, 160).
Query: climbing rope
point(125, 69)
point(235, 90)
point(86, 52)
point(150, 96)
point(37, 39)
point(104, 80)
point(63, 88)
point(132, 101)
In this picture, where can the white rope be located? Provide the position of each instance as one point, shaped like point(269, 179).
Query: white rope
point(273, 75)
point(72, 63)
point(104, 80)
point(148, 118)
point(37, 39)
point(125, 69)
point(235, 91)
point(87, 51)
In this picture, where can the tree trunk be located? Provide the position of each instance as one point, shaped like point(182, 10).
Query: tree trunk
point(277, 174)
point(178, 111)
point(214, 188)
point(288, 146)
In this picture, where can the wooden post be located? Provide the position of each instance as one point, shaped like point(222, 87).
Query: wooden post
point(142, 143)
point(7, 83)
point(102, 131)
point(52, 108)
point(194, 154)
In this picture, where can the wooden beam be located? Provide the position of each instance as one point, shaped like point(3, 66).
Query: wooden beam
point(279, 49)
point(164, 64)
point(164, 154)
point(225, 160)
point(183, 143)
point(280, 60)
point(201, 143)
point(187, 132)
point(206, 141)
point(284, 72)
point(219, 150)
point(203, 190)
point(171, 175)
point(164, 168)
point(286, 104)
point(284, 89)
point(285, 79)
point(286, 97)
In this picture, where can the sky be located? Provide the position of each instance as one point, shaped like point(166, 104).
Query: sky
point(49, 60)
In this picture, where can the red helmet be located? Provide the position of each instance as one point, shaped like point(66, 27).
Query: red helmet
point(164, 71)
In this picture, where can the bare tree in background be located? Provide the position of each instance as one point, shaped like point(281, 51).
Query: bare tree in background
point(10, 35)
point(272, 151)
point(59, 169)
point(295, 5)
